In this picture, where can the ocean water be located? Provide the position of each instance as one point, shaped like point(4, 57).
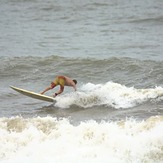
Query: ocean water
point(114, 50)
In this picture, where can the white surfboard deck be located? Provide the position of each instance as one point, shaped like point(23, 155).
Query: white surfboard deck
point(33, 94)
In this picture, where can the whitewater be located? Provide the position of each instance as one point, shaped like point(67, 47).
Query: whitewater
point(109, 94)
point(57, 140)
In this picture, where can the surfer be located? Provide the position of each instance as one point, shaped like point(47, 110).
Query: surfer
point(62, 81)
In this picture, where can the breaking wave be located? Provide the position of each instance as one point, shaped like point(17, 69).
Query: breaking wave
point(57, 140)
point(109, 94)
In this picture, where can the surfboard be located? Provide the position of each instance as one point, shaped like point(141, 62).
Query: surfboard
point(33, 94)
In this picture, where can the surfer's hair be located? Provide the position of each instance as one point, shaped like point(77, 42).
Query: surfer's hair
point(75, 81)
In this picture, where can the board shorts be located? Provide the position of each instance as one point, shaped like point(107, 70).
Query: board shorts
point(58, 81)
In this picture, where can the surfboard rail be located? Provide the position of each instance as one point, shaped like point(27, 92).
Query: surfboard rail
point(33, 94)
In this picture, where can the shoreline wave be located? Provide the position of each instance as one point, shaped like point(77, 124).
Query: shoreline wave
point(56, 139)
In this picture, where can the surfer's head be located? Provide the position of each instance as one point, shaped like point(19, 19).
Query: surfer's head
point(75, 81)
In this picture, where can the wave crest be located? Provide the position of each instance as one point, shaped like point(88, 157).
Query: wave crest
point(108, 94)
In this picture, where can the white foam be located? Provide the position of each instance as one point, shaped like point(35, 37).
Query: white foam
point(109, 94)
point(47, 140)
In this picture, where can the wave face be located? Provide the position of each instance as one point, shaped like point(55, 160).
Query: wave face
point(134, 87)
point(141, 73)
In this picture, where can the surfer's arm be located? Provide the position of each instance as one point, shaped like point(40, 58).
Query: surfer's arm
point(74, 86)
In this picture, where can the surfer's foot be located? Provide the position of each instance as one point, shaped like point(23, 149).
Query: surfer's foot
point(54, 95)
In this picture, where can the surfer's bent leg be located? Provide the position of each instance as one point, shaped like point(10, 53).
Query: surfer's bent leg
point(48, 88)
